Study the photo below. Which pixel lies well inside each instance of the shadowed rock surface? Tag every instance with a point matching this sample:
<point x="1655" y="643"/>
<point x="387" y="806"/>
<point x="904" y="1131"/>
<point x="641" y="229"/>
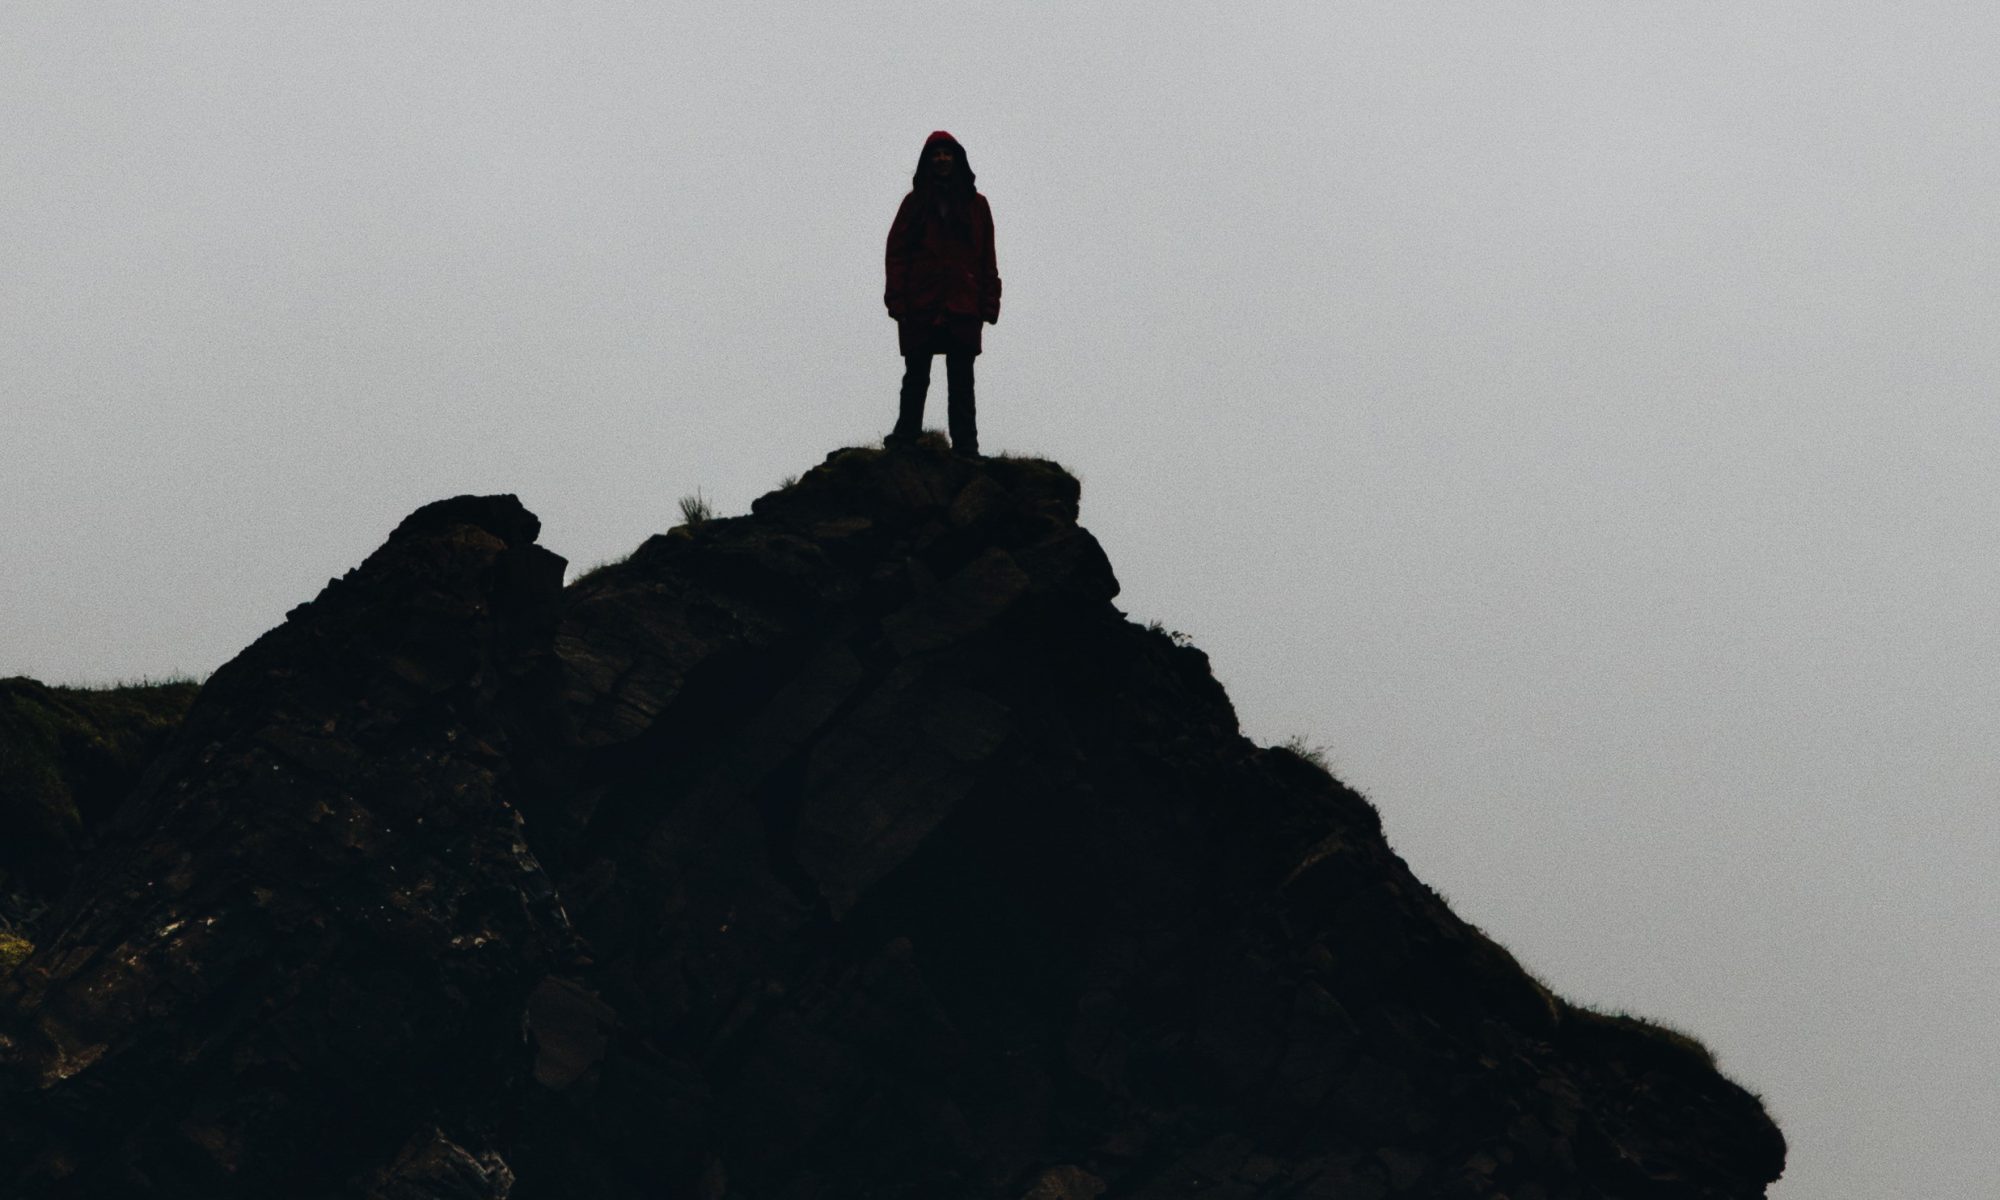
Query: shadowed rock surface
<point x="67" y="756"/>
<point x="868" y="851"/>
<point x="314" y="924"/>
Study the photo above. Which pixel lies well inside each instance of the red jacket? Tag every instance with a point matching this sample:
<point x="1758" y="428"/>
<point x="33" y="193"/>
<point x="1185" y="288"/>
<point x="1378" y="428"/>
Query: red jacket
<point x="938" y="274"/>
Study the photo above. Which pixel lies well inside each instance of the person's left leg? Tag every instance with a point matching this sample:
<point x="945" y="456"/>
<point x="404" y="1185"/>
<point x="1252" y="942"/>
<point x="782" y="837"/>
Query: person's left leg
<point x="958" y="398"/>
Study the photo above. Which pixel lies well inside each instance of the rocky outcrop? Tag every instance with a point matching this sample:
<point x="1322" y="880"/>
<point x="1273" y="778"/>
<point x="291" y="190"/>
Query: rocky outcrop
<point x="67" y="756"/>
<point x="309" y="935"/>
<point x="858" y="847"/>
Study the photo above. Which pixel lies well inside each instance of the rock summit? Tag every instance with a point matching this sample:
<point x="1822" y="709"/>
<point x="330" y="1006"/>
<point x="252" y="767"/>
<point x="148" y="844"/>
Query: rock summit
<point x="856" y="847"/>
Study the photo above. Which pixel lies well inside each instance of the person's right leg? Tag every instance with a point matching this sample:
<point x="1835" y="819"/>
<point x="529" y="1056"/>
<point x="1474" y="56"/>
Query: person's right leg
<point x="964" y="424"/>
<point x="916" y="384"/>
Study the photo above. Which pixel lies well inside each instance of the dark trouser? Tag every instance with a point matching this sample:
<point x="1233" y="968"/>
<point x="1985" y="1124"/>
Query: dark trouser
<point x="958" y="399"/>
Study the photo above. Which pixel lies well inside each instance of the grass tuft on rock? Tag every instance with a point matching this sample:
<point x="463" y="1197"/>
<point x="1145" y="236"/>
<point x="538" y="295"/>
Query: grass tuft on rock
<point x="1637" y="1037"/>
<point x="1311" y="752"/>
<point x="695" y="508"/>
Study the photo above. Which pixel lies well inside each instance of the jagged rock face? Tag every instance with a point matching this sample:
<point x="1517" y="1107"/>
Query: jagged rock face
<point x="912" y="868"/>
<point x="312" y="929"/>
<point x="899" y="864"/>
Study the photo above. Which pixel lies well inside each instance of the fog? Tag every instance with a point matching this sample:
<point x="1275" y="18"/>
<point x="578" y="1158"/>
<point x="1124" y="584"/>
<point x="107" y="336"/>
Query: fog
<point x="1577" y="417"/>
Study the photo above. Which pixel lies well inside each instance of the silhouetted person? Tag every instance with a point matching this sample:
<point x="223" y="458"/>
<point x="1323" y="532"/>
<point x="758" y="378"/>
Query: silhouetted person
<point x="942" y="285"/>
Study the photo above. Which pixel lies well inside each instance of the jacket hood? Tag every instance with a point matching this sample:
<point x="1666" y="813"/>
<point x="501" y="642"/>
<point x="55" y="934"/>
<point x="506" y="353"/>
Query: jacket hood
<point x="962" y="182"/>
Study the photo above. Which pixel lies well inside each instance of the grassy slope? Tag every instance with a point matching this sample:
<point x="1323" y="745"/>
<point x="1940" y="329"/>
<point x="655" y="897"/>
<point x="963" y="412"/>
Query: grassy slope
<point x="67" y="756"/>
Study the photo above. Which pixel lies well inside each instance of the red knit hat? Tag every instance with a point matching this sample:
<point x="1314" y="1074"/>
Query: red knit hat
<point x="938" y="136"/>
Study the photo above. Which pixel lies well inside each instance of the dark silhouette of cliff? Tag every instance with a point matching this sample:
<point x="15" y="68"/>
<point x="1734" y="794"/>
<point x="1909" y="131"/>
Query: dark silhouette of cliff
<point x="858" y="847"/>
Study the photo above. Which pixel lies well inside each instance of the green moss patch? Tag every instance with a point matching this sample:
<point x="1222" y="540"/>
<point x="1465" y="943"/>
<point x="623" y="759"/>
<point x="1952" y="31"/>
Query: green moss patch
<point x="14" y="950"/>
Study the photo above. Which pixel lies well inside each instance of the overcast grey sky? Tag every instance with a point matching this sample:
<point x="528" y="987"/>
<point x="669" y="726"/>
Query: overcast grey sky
<point x="1577" y="416"/>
